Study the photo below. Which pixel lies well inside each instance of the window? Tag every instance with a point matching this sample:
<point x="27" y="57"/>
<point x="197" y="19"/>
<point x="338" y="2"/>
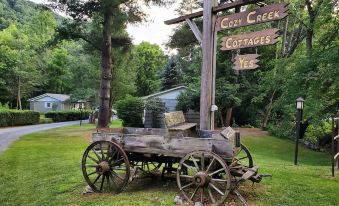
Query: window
<point x="48" y="105"/>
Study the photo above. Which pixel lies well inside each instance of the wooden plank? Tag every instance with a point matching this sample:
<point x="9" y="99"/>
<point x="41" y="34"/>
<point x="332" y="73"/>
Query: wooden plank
<point x="244" y="62"/>
<point x="173" y="147"/>
<point x="252" y="39"/>
<point x="216" y="9"/>
<point x="184" y="126"/>
<point x="261" y="15"/>
<point x="195" y="30"/>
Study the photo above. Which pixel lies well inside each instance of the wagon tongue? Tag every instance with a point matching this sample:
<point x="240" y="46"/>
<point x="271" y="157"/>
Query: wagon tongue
<point x="252" y="174"/>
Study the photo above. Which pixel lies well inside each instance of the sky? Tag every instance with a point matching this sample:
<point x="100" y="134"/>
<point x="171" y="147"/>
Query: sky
<point x="154" y="30"/>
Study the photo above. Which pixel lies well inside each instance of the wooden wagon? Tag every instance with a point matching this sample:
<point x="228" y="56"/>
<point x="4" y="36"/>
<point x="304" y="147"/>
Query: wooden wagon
<point x="209" y="164"/>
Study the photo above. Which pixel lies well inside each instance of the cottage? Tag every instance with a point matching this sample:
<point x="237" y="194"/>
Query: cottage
<point x="169" y="97"/>
<point x="50" y="102"/>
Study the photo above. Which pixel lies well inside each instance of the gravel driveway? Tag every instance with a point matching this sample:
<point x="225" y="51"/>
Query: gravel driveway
<point x="11" y="134"/>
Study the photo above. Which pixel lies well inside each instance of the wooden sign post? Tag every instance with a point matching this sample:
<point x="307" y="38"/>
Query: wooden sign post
<point x="207" y="38"/>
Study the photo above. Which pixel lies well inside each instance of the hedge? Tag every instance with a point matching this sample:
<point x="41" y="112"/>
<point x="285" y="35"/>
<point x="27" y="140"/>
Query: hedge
<point x="65" y="116"/>
<point x="10" y="117"/>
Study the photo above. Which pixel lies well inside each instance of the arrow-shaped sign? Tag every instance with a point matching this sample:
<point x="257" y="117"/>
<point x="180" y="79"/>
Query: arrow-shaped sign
<point x="253" y="39"/>
<point x="261" y="15"/>
<point x="244" y="62"/>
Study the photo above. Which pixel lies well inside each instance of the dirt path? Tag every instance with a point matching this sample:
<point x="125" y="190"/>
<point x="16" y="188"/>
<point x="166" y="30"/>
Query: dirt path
<point x="253" y="132"/>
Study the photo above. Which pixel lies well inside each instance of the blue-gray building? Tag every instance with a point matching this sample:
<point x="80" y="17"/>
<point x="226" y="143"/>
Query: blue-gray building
<point x="169" y="97"/>
<point x="50" y="102"/>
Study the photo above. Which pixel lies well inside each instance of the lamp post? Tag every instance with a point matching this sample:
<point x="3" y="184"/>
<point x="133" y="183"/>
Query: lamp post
<point x="81" y="107"/>
<point x="299" y="107"/>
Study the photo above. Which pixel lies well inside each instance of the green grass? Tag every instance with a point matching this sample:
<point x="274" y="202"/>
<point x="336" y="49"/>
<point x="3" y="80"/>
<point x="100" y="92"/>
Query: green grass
<point x="45" y="169"/>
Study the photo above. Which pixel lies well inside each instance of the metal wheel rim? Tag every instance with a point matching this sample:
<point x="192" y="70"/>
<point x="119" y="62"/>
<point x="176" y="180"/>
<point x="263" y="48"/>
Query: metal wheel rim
<point x="213" y="186"/>
<point x="105" y="167"/>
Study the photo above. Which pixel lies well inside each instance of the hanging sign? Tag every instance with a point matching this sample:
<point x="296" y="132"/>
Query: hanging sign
<point x="244" y="62"/>
<point x="253" y="39"/>
<point x="261" y="15"/>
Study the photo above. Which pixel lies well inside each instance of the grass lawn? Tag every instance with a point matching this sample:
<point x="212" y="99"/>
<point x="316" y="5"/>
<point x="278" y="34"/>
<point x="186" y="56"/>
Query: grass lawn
<point x="45" y="169"/>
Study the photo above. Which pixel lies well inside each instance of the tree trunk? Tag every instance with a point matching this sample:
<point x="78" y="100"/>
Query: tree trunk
<point x="18" y="102"/>
<point x="268" y="111"/>
<point x="229" y="117"/>
<point x="106" y="70"/>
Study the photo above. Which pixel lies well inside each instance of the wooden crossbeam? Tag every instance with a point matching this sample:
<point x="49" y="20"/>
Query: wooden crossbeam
<point x="336" y="156"/>
<point x="216" y="9"/>
<point x="336" y="137"/>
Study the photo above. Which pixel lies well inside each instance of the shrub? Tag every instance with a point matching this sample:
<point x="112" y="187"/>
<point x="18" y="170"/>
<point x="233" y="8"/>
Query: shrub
<point x="130" y="111"/>
<point x="318" y="132"/>
<point x="71" y="115"/>
<point x="188" y="100"/>
<point x="10" y="117"/>
<point x="154" y="113"/>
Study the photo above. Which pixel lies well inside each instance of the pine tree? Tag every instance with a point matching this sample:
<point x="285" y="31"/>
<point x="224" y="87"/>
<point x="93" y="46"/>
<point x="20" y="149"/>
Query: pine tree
<point x="171" y="76"/>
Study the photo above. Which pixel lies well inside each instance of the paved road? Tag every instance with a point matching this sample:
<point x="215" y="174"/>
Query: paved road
<point x="9" y="135"/>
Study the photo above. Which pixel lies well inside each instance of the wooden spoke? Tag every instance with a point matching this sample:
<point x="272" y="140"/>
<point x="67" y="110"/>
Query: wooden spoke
<point x="102" y="152"/>
<point x="202" y="161"/>
<point x="216" y="189"/>
<point x="209" y="166"/>
<point x="210" y="194"/>
<point x="96" y="153"/>
<point x="108" y="184"/>
<point x="112" y="157"/>
<point x="119" y="160"/>
<point x="96" y="179"/>
<point x="219" y="180"/>
<point x="189" y="167"/>
<point x="102" y="182"/>
<point x="215" y="172"/>
<point x="241" y="158"/>
<point x="202" y="195"/>
<point x="183" y="187"/>
<point x="94" y="160"/>
<point x="115" y="174"/>
<point x="92" y="173"/>
<point x="88" y="165"/>
<point x="195" y="163"/>
<point x="195" y="192"/>
<point x="187" y="176"/>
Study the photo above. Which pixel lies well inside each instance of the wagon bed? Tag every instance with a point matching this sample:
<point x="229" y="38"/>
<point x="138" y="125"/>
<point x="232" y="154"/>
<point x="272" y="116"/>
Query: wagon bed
<point x="164" y="142"/>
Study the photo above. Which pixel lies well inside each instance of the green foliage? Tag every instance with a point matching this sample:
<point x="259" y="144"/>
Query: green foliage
<point x="10" y="117"/>
<point x="70" y="115"/>
<point x="147" y="61"/>
<point x="318" y="131"/>
<point x="155" y="104"/>
<point x="188" y="100"/>
<point x="130" y="110"/>
<point x="44" y="120"/>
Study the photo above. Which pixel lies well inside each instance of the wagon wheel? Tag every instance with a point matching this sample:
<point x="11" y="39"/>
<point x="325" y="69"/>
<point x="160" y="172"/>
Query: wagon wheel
<point x="105" y="167"/>
<point x="242" y="157"/>
<point x="203" y="177"/>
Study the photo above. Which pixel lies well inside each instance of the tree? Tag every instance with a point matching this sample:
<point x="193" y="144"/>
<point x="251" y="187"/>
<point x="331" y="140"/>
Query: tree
<point x="147" y="61"/>
<point x="171" y="76"/>
<point x="81" y="11"/>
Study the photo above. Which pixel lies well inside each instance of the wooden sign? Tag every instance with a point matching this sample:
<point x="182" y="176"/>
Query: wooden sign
<point x="253" y="39"/>
<point x="261" y="15"/>
<point x="244" y="62"/>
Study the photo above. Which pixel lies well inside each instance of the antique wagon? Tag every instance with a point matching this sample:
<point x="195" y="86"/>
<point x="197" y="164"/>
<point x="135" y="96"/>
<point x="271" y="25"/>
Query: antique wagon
<point x="208" y="164"/>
